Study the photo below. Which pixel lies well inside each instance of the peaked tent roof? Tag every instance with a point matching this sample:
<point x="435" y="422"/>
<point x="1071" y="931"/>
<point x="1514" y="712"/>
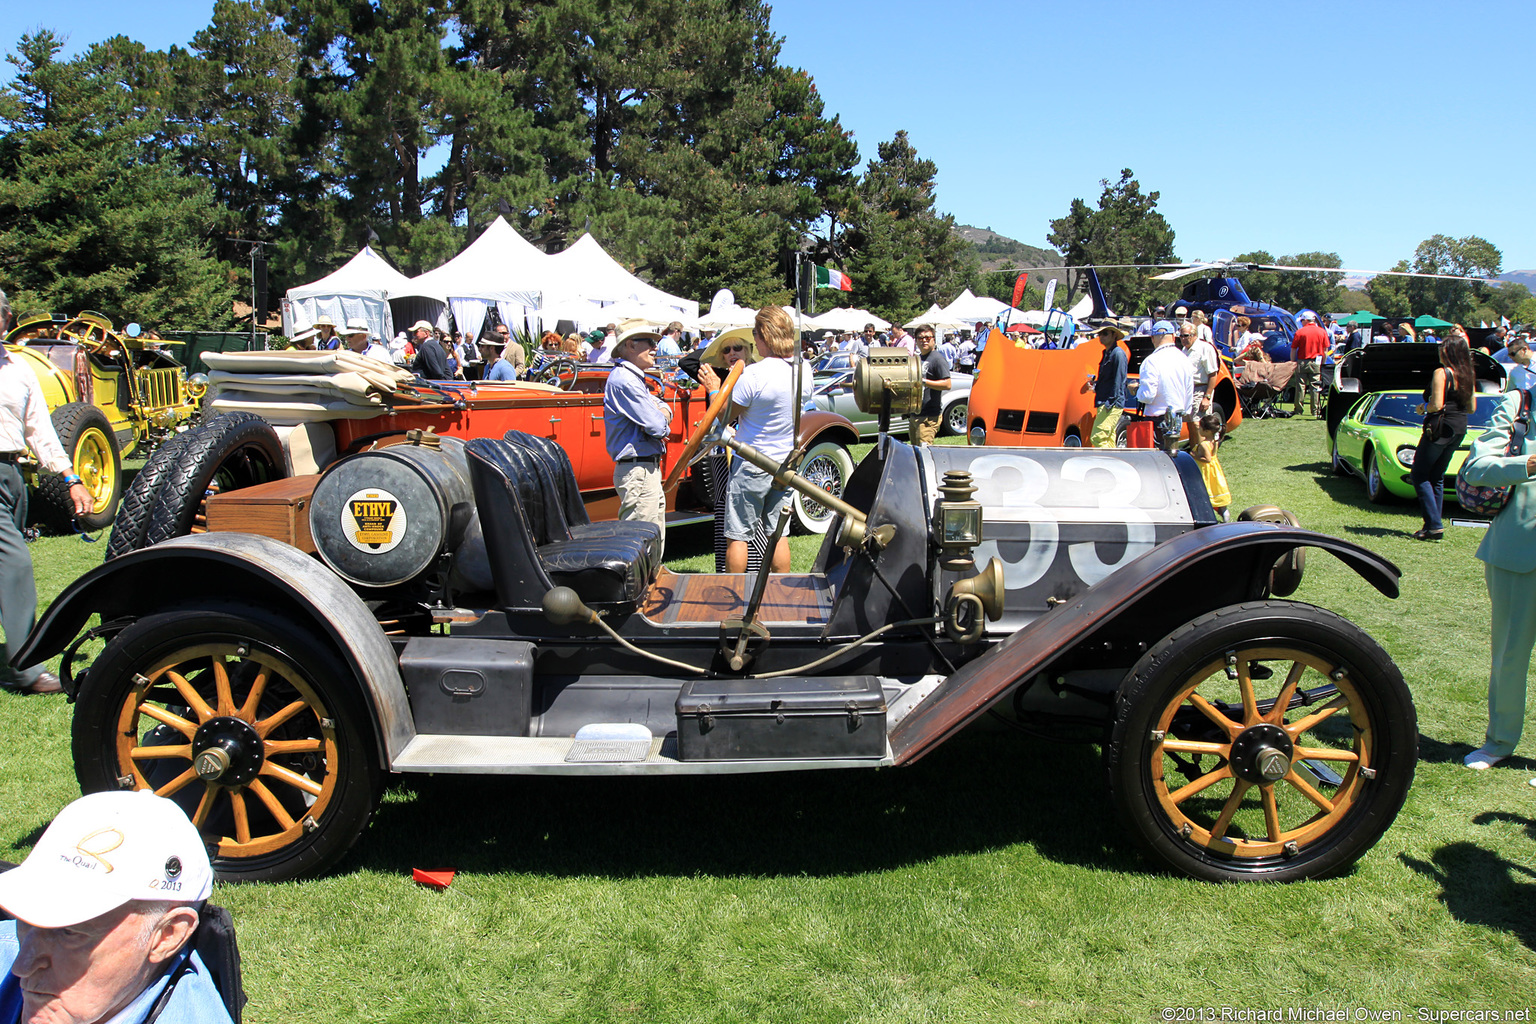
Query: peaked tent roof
<point x="500" y="264"/>
<point x="968" y="306"/>
<point x="365" y="275"/>
<point x="586" y="270"/>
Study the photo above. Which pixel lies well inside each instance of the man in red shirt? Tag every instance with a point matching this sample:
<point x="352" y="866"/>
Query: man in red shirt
<point x="1308" y="349"/>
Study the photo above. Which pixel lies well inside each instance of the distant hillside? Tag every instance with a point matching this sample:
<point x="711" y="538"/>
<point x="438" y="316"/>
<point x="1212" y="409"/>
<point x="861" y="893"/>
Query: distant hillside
<point x="1525" y="277"/>
<point x="997" y="251"/>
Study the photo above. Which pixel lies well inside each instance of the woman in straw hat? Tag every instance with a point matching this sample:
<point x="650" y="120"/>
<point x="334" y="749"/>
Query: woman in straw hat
<point x="723" y="352"/>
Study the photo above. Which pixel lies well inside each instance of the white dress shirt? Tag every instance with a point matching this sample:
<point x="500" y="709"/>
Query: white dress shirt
<point x="24" y="421"/>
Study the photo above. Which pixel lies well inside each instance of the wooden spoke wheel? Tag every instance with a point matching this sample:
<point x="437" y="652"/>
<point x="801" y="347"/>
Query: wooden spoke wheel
<point x="696" y="439"/>
<point x="250" y="734"/>
<point x="1263" y="741"/>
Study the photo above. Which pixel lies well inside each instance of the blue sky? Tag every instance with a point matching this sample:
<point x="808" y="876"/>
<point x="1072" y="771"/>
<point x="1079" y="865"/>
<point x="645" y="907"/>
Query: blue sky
<point x="1349" y="127"/>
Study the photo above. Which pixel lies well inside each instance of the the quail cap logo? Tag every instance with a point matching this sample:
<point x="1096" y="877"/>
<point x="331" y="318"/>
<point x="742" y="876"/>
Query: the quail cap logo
<point x="99" y="843"/>
<point x="172" y="867"/>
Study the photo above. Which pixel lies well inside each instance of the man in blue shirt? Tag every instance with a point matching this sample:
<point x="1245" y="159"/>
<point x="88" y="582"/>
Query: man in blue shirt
<point x="105" y="908"/>
<point x="1108" y="388"/>
<point x="637" y="424"/>
<point x="670" y="347"/>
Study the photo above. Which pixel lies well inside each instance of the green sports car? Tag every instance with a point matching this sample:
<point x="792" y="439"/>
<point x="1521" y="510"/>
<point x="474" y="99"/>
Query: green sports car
<point x="1377" y="436"/>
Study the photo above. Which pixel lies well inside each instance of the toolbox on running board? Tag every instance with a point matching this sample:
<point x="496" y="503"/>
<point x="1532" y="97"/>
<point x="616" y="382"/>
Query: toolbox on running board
<point x="773" y="719"/>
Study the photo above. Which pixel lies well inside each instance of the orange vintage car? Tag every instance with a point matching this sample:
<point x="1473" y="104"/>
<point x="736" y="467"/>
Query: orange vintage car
<point x="1043" y="398"/>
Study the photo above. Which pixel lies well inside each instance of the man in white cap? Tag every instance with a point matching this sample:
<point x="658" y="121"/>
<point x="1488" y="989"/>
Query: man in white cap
<point x="431" y="360"/>
<point x="1308" y="348"/>
<point x="1166" y="386"/>
<point x="105" y="908"/>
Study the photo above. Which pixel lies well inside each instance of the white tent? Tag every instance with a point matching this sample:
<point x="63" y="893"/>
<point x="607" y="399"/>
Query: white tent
<point x="585" y="279"/>
<point x="724" y="313"/>
<point x="971" y="308"/>
<point x="500" y="268"/>
<point x="360" y="289"/>
<point x="847" y="319"/>
<point x="938" y="320"/>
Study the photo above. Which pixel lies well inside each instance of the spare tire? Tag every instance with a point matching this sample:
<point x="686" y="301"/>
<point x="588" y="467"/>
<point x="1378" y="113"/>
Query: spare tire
<point x="227" y="453"/>
<point x="88" y="440"/>
<point x="133" y="514"/>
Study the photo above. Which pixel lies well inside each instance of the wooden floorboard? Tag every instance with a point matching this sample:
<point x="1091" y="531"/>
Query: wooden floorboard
<point x="714" y="597"/>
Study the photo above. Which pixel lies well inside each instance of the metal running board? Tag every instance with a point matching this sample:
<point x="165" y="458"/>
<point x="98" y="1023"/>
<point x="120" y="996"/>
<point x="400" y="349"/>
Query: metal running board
<point x="546" y="755"/>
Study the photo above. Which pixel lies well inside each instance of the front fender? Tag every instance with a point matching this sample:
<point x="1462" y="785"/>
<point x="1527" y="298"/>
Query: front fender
<point x="1179" y="580"/>
<point x="178" y="573"/>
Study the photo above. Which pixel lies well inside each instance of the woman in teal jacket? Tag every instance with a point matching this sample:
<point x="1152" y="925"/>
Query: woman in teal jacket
<point x="1508" y="552"/>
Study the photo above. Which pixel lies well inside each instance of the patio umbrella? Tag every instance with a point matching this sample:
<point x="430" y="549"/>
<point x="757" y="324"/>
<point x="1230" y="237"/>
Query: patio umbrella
<point x="1021" y="329"/>
<point x="1362" y="317"/>
<point x="1431" y="321"/>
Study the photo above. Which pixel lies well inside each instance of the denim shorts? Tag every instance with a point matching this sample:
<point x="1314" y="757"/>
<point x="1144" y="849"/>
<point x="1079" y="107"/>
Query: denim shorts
<point x="746" y="495"/>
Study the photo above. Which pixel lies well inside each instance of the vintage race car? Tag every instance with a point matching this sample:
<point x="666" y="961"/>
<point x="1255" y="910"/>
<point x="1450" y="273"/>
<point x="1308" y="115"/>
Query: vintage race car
<point x="1377" y="438"/>
<point x="464" y="616"/>
<point x="110" y="395"/>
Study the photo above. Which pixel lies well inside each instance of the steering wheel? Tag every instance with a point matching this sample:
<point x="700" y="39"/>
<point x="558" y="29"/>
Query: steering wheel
<point x="560" y="372"/>
<point x="696" y="439"/>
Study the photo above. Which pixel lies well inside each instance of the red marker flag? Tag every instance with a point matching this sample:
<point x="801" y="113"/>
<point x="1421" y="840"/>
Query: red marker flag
<point x="1018" y="289"/>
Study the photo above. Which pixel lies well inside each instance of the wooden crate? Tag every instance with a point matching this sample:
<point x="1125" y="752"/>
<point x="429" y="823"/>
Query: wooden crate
<point x="279" y="510"/>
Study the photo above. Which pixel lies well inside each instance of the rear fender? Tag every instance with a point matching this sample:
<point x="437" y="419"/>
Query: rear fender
<point x="1128" y="611"/>
<point x="819" y="426"/>
<point x="180" y="572"/>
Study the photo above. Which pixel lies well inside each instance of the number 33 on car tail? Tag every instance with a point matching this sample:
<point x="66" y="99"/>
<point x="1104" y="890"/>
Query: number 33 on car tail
<point x="1061" y="520"/>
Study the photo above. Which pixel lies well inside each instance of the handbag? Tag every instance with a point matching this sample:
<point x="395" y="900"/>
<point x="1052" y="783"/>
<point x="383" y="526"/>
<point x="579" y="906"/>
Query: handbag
<point x="1490" y="501"/>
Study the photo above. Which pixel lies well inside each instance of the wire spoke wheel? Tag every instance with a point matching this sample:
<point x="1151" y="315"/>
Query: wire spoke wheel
<point x="828" y="466"/>
<point x="246" y="723"/>
<point x="240" y="739"/>
<point x="1263" y="741"/>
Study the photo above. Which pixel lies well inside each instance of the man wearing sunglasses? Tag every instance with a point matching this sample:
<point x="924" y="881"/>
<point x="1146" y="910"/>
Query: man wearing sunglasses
<point x="636" y="423"/>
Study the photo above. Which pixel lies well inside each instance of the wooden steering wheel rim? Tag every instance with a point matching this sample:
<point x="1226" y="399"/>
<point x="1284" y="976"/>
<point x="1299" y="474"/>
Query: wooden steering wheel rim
<point x="716" y="408"/>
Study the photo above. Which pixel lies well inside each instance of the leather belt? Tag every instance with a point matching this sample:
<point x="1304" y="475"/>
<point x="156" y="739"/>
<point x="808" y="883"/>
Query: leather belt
<point x="12" y="457"/>
<point x="638" y="458"/>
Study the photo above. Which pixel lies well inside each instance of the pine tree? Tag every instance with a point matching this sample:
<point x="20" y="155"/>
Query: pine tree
<point x="94" y="212"/>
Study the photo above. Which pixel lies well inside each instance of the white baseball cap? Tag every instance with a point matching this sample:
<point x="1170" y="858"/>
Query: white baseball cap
<point x="104" y="850"/>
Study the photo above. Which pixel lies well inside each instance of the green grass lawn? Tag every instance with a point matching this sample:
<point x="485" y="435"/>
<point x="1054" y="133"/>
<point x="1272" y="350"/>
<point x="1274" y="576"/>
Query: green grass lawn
<point x="989" y="882"/>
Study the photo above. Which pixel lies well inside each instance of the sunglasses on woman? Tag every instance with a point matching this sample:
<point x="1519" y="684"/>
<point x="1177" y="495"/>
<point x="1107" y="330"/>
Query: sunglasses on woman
<point x="734" y="348"/>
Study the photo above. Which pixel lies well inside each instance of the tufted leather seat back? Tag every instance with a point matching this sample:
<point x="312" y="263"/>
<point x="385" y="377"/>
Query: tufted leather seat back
<point x="562" y="474"/>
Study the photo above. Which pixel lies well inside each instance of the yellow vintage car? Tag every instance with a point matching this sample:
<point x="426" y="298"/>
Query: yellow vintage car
<point x="111" y="394"/>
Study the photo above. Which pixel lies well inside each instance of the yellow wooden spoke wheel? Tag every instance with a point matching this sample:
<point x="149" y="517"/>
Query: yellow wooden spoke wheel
<point x="1267" y="741"/>
<point x="254" y="733"/>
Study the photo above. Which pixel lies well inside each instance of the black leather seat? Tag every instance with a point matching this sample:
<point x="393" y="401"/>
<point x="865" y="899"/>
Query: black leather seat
<point x="529" y="550"/>
<point x="568" y="511"/>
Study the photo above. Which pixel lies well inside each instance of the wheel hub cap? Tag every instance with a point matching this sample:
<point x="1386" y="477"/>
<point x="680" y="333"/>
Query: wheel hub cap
<point x="227" y="751"/>
<point x="1262" y="754"/>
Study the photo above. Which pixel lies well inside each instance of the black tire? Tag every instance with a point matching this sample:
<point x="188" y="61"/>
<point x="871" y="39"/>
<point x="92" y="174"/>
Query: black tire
<point x="133" y="514"/>
<point x="955" y="415"/>
<point x="1375" y="490"/>
<point x="827" y="465"/>
<point x="87" y="438"/>
<point x="1122" y="431"/>
<point x="1374" y="722"/>
<point x="324" y="784"/>
<point x="227" y="453"/>
<point x="1337" y="463"/>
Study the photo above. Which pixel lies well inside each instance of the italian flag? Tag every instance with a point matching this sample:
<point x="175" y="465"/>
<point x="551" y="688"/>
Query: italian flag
<point x="826" y="277"/>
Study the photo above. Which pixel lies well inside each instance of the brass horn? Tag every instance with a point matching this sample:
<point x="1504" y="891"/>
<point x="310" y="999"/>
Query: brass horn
<point x="982" y="594"/>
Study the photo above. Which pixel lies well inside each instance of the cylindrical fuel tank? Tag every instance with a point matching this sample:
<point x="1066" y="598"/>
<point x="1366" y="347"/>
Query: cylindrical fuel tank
<point x="382" y="518"/>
